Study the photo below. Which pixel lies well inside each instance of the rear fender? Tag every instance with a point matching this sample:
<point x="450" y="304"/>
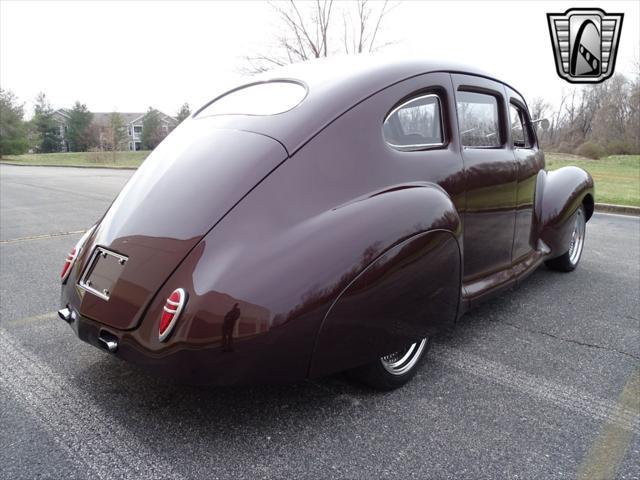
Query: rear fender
<point x="558" y="195"/>
<point x="284" y="279"/>
<point x="408" y="292"/>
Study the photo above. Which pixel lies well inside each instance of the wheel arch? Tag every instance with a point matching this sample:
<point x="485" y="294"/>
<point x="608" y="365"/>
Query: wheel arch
<point x="415" y="278"/>
<point x="559" y="193"/>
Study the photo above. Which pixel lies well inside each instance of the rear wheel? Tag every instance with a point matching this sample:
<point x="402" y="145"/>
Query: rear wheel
<point x="393" y="370"/>
<point x="568" y="261"/>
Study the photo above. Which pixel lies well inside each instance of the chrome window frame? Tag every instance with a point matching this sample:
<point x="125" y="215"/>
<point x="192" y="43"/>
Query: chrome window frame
<point x="417" y="146"/>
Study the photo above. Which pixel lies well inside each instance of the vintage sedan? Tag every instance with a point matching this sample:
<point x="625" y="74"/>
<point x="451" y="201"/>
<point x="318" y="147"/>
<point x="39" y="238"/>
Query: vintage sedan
<point x="330" y="216"/>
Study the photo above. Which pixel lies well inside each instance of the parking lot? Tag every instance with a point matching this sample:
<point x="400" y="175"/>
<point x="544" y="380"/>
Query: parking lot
<point x="542" y="382"/>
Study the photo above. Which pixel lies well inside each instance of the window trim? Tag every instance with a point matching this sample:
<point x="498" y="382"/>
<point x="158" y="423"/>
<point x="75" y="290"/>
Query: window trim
<point x="418" y="146"/>
<point x="503" y="129"/>
<point x="294" y="81"/>
<point x="526" y="124"/>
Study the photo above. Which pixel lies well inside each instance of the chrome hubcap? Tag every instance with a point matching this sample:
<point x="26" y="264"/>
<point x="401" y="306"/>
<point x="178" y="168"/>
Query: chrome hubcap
<point x="577" y="238"/>
<point x="402" y="361"/>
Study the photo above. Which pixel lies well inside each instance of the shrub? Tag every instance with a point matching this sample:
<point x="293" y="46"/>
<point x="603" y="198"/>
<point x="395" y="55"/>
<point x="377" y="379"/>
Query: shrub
<point x="620" y="147"/>
<point x="590" y="150"/>
<point x="13" y="146"/>
<point x="564" y="147"/>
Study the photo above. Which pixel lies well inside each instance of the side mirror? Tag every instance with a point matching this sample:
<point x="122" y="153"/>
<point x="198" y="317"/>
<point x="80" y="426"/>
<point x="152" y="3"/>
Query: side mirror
<point x="544" y="123"/>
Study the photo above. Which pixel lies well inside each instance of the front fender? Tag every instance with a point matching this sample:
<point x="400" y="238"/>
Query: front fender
<point x="559" y="193"/>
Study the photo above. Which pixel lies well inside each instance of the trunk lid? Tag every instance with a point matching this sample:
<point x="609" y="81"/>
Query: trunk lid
<point x="192" y="179"/>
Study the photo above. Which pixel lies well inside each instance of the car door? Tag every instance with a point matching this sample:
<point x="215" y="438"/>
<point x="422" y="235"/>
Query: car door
<point x="490" y="179"/>
<point x="529" y="161"/>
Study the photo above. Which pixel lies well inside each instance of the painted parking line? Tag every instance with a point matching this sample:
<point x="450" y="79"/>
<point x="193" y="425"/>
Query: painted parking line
<point x="33" y="319"/>
<point x="91" y="438"/>
<point x="564" y="396"/>
<point x="608" y="450"/>
<point x="41" y="237"/>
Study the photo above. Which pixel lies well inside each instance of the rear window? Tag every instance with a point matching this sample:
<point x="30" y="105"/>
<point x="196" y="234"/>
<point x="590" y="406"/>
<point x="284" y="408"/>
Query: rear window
<point x="415" y="125"/>
<point x="269" y="98"/>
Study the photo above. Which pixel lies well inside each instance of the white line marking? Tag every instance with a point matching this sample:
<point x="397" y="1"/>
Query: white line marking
<point x="41" y="237"/>
<point x="561" y="395"/>
<point x="91" y="438"/>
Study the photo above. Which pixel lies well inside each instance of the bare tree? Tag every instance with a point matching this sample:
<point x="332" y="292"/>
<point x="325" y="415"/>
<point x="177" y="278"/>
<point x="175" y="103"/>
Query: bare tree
<point x="321" y="28"/>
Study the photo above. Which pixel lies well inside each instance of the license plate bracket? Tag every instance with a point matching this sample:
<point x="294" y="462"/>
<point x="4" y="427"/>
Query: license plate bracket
<point x="102" y="272"/>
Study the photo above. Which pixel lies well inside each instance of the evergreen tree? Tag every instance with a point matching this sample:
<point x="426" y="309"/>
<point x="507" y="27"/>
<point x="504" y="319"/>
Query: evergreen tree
<point x="79" y="134"/>
<point x="13" y="131"/>
<point x="47" y="130"/>
<point x="152" y="133"/>
<point x="183" y="113"/>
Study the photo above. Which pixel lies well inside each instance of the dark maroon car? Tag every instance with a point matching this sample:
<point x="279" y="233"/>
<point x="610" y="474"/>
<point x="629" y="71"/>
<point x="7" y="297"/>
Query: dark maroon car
<point x="331" y="216"/>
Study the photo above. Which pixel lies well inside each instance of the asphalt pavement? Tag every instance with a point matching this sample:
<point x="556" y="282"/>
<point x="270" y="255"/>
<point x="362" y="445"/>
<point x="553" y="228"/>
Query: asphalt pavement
<point x="541" y="382"/>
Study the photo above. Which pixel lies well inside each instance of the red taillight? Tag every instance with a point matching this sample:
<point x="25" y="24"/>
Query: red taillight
<point x="68" y="263"/>
<point x="171" y="312"/>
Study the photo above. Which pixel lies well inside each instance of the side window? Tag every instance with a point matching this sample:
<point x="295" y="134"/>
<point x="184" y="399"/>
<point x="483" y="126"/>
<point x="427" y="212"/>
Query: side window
<point x="415" y="125"/>
<point x="519" y="127"/>
<point x="478" y="119"/>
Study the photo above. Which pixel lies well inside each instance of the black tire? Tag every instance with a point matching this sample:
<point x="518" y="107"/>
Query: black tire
<point x="568" y="261"/>
<point x="378" y="375"/>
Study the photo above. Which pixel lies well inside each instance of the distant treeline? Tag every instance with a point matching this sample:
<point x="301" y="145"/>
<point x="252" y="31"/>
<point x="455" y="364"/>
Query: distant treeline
<point x="594" y="120"/>
<point x="79" y="133"/>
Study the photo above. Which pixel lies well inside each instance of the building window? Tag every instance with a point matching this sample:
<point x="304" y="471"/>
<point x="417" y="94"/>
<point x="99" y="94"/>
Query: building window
<point x="137" y="129"/>
<point x="130" y="143"/>
<point x="129" y="130"/>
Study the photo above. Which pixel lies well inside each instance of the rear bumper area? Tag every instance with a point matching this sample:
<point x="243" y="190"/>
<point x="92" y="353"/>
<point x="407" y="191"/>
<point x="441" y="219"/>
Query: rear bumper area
<point x="251" y="363"/>
<point x="182" y="365"/>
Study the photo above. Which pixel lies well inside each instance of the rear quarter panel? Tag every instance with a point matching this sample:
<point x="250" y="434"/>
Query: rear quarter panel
<point x="300" y="238"/>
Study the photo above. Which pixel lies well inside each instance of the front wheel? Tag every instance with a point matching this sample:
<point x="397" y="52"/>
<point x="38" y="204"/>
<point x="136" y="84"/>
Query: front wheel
<point x="394" y="370"/>
<point x="568" y="261"/>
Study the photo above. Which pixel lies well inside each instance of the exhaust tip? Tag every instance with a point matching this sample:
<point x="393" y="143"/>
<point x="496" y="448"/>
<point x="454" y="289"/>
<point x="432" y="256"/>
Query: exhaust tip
<point x="66" y="314"/>
<point x="108" y="341"/>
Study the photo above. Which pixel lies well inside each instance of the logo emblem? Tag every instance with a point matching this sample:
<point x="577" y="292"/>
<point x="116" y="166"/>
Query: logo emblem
<point x="585" y="43"/>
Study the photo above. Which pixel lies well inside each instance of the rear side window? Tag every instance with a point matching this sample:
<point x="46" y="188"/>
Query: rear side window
<point x="478" y="119"/>
<point x="269" y="98"/>
<point x="519" y="127"/>
<point x="415" y="124"/>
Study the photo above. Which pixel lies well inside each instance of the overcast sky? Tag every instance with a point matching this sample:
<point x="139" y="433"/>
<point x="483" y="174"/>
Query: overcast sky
<point x="127" y="56"/>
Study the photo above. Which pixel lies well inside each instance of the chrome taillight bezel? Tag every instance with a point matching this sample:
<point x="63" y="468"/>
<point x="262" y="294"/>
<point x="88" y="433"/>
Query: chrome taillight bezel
<point x="73" y="255"/>
<point x="173" y="308"/>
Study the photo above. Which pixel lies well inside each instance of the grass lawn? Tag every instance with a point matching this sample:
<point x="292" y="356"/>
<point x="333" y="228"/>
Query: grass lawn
<point x="80" y="159"/>
<point x="617" y="177"/>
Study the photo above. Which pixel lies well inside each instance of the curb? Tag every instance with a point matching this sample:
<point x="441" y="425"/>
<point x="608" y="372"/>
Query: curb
<point x="620" y="209"/>
<point x="111" y="167"/>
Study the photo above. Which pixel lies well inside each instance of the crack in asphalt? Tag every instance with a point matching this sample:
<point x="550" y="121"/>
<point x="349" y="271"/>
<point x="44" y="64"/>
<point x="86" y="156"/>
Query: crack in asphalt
<point x="575" y="342"/>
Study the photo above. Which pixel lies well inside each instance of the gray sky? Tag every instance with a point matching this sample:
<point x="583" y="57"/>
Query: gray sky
<point x="127" y="56"/>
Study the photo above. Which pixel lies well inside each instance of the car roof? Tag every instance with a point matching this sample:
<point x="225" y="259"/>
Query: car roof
<point x="334" y="84"/>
